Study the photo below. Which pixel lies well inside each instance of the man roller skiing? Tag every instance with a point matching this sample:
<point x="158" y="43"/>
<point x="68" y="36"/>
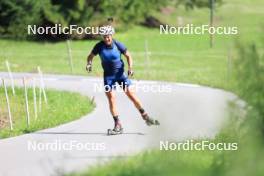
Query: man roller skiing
<point x="110" y="52"/>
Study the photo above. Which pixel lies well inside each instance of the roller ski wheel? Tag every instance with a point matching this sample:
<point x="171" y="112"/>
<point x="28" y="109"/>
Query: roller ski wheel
<point x="150" y="122"/>
<point x="115" y="131"/>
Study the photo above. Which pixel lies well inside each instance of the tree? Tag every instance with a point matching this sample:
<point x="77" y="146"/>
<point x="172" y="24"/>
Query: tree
<point x="15" y="15"/>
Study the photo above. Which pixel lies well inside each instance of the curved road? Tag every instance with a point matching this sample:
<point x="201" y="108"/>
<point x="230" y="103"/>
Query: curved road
<point x="186" y="112"/>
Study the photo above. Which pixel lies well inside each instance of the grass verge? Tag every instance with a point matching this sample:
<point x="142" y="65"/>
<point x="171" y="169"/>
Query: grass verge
<point x="62" y="107"/>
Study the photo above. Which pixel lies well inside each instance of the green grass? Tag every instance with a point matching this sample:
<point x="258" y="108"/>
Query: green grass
<point x="177" y="58"/>
<point x="157" y="163"/>
<point x="248" y="159"/>
<point x="60" y="109"/>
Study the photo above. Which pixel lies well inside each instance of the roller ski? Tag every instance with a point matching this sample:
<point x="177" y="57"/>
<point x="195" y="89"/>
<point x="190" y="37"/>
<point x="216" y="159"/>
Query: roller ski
<point x="149" y="121"/>
<point x="117" y="130"/>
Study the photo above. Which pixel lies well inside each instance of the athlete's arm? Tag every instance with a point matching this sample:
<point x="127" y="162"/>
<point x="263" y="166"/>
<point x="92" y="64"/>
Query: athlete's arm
<point x="129" y="62"/>
<point x="90" y="58"/>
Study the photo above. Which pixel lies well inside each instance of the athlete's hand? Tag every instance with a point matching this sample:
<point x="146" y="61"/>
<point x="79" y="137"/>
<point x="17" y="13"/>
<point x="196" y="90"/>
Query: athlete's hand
<point x="130" y="72"/>
<point x="89" y="68"/>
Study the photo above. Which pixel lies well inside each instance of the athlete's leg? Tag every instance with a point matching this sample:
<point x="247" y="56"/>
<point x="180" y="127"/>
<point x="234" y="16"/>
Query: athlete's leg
<point x="112" y="102"/>
<point x="112" y="106"/>
<point x="132" y="96"/>
<point x="109" y="85"/>
<point x="125" y="83"/>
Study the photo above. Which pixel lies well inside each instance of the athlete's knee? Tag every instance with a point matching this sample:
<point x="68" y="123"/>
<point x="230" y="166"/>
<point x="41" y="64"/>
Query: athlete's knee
<point x="130" y="94"/>
<point x="110" y="95"/>
<point x="111" y="99"/>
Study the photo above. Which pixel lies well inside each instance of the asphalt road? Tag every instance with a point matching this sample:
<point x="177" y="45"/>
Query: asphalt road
<point x="185" y="111"/>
